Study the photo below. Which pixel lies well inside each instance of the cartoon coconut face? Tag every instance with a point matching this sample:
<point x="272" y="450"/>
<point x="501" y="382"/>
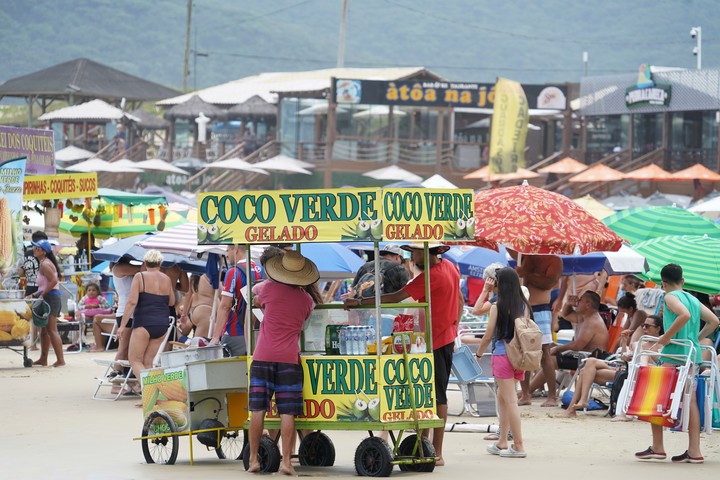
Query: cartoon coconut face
<point x="363" y="228"/>
<point x="202" y="233"/>
<point x="470" y="227"/>
<point x="374" y="409"/>
<point x="213" y="233"/>
<point x="376" y="228"/>
<point x="460" y="228"/>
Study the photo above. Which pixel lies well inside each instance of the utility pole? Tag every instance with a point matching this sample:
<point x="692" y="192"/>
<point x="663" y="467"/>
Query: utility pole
<point x="585" y="63"/>
<point x="696" y="33"/>
<point x="341" y="43"/>
<point x="186" y="63"/>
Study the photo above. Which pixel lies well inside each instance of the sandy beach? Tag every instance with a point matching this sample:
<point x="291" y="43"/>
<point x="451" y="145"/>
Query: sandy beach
<point x="52" y="428"/>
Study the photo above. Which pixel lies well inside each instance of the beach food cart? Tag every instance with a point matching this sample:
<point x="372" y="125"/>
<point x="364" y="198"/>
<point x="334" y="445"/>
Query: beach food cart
<point x="15" y="318"/>
<point x="369" y="389"/>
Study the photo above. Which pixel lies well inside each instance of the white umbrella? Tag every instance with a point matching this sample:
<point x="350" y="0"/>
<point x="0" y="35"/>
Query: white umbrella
<point x="72" y="153"/>
<point x="378" y="110"/>
<point x="127" y="163"/>
<point x="284" y="163"/>
<point x="180" y="240"/>
<point x="100" y="165"/>
<point x="320" y="108"/>
<point x="393" y="172"/>
<point x="237" y="164"/>
<point x="160" y="165"/>
<point x="709" y="208"/>
<point x="437" y="181"/>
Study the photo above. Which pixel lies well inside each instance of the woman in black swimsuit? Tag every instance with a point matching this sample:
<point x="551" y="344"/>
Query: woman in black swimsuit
<point x="151" y="294"/>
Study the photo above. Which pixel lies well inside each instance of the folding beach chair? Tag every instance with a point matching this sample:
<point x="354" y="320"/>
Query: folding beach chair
<point x="473" y="378"/>
<point x="655" y="393"/>
<point x="111" y="378"/>
<point x="708" y="390"/>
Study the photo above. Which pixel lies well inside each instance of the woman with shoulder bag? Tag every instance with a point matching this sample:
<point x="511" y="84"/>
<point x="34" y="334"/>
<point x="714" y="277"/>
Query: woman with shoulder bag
<point x="511" y="304"/>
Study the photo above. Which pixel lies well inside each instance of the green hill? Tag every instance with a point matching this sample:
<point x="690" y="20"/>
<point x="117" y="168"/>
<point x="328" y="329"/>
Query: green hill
<point x="470" y="40"/>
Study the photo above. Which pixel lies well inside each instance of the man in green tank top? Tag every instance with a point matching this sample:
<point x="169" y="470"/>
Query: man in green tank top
<point x="681" y="319"/>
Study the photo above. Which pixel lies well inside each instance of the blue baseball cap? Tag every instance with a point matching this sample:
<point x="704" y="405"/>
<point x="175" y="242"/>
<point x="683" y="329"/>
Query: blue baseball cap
<point x="44" y="244"/>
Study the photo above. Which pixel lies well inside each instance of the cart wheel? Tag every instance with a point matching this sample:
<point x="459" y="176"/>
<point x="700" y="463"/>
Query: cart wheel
<point x="231" y="446"/>
<point x="27" y="363"/>
<point x="268" y="452"/>
<point x="406" y="450"/>
<point x="373" y="457"/>
<point x="162" y="449"/>
<point x="317" y="450"/>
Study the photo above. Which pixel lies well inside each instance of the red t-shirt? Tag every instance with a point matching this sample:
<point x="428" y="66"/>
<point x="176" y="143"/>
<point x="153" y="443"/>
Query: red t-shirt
<point x="445" y="295"/>
<point x="285" y="309"/>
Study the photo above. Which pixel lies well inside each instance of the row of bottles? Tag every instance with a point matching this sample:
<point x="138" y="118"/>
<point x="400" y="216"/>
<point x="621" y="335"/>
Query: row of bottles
<point x="354" y="340"/>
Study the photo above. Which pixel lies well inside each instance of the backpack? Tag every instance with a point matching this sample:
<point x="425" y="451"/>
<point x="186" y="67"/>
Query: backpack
<point x="525" y="349"/>
<point x="365" y="286"/>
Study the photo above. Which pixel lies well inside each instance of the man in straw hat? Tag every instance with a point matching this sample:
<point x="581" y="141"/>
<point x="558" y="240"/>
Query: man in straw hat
<point x="446" y="309"/>
<point x="276" y="369"/>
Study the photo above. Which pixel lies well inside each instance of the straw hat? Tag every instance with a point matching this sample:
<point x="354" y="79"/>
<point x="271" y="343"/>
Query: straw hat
<point x="438" y="247"/>
<point x="292" y="268"/>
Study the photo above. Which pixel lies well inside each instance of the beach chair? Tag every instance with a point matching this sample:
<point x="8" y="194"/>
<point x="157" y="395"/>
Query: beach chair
<point x="125" y="380"/>
<point x="473" y="379"/>
<point x="655" y="393"/>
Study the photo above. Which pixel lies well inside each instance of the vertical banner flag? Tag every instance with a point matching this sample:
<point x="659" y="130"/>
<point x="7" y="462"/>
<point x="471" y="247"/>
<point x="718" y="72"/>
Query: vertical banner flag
<point x="12" y="174"/>
<point x="509" y="127"/>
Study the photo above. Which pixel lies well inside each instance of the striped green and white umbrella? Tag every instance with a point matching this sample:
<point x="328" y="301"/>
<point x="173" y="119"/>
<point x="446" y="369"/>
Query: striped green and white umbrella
<point x="643" y="223"/>
<point x="699" y="257"/>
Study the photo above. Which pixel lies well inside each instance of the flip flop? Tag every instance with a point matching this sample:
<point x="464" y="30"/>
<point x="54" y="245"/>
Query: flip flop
<point x="491" y="437"/>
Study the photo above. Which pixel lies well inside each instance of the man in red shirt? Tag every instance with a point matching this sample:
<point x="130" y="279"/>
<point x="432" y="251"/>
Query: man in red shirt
<point x="446" y="303"/>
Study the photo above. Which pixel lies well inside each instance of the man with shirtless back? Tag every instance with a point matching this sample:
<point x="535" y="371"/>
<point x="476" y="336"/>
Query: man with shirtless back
<point x="590" y="330"/>
<point x="541" y="274"/>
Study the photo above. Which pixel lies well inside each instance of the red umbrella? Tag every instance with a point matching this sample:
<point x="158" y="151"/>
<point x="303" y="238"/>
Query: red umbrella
<point x="531" y="220"/>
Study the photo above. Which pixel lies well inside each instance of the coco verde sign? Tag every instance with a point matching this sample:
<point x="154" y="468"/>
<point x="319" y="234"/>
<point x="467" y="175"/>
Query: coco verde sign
<point x="335" y="215"/>
<point x="368" y="389"/>
<point x="646" y="91"/>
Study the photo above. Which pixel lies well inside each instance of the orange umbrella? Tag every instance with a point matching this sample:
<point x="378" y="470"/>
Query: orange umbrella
<point x="565" y="166"/>
<point x="598" y="173"/>
<point x="484" y="174"/>
<point x="649" y="173"/>
<point x="698" y="171"/>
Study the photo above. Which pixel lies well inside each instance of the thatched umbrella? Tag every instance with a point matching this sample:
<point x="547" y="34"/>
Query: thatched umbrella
<point x="190" y="110"/>
<point x="253" y="106"/>
<point x="148" y="121"/>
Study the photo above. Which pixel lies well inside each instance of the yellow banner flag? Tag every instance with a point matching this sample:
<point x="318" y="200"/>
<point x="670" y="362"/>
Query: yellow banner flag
<point x="509" y="127"/>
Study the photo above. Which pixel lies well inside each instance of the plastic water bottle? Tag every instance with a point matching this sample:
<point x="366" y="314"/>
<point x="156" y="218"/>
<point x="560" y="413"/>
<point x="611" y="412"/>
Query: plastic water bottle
<point x="342" y="334"/>
<point x="369" y="339"/>
<point x="355" y="335"/>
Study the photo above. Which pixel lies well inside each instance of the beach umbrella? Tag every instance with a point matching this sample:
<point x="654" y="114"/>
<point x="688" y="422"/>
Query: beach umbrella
<point x="638" y="224"/>
<point x="474" y="261"/>
<point x="437" y="181"/>
<point x="709" y="208"/>
<point x="531" y="220"/>
<point x="181" y="240"/>
<point x="393" y="172"/>
<point x="100" y="165"/>
<point x="624" y="201"/>
<point x="597" y="173"/>
<point x="484" y="174"/>
<point x="160" y="166"/>
<point x="649" y="173"/>
<point x="333" y="260"/>
<point x="624" y="261"/>
<point x="236" y="164"/>
<point x="699" y="257"/>
<point x="668" y="200"/>
<point x="596" y="209"/>
<point x="565" y="166"/>
<point x="129" y="248"/>
<point x="72" y="153"/>
<point x="283" y="163"/>
<point x="697" y="171"/>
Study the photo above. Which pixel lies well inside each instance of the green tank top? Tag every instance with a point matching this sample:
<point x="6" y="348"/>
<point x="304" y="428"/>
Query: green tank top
<point x="689" y="331"/>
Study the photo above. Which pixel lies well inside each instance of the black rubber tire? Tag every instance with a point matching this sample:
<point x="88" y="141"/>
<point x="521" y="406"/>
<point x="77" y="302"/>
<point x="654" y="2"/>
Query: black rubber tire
<point x="231" y="446"/>
<point x="163" y="449"/>
<point x="268" y="452"/>
<point x="373" y="457"/>
<point x="406" y="450"/>
<point x="317" y="450"/>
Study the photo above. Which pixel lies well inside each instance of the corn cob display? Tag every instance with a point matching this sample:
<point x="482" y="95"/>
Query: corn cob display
<point x="6" y="234"/>
<point x="173" y="390"/>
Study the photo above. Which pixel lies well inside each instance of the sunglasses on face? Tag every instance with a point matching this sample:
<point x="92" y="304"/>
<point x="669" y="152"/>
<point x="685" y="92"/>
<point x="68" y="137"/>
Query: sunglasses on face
<point x="648" y="325"/>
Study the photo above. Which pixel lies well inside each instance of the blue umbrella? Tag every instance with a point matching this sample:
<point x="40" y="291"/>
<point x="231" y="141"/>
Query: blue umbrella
<point x="474" y="261"/>
<point x="127" y="248"/>
<point x="333" y="260"/>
